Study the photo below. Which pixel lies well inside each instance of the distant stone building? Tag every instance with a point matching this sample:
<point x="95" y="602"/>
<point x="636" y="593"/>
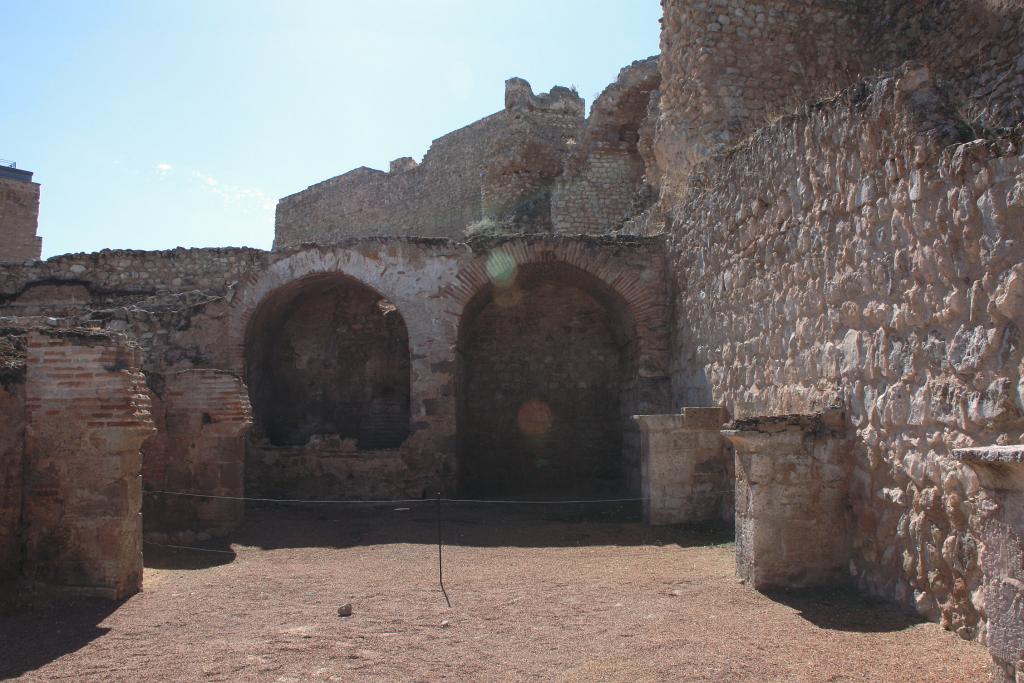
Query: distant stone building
<point x="19" y="215"/>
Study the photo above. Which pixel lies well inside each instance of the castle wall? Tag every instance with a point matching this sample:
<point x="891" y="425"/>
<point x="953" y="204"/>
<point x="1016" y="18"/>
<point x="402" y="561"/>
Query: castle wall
<point x="859" y="256"/>
<point x="19" y="217"/>
<point x="437" y="198"/>
<point x="606" y="178"/>
<point x="499" y="168"/>
<point x="728" y="66"/>
<point x="195" y="309"/>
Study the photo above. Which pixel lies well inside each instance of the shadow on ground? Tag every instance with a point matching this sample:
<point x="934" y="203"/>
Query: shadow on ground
<point x="274" y="526"/>
<point x="35" y="631"/>
<point x="844" y="609"/>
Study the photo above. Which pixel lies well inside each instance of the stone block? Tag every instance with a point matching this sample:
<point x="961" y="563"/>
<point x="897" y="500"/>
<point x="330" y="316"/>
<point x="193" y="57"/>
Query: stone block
<point x="683" y="471"/>
<point x="792" y="526"/>
<point x="1001" y="471"/>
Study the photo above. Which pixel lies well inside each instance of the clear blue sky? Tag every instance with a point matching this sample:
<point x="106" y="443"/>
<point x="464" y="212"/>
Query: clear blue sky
<point x="153" y="124"/>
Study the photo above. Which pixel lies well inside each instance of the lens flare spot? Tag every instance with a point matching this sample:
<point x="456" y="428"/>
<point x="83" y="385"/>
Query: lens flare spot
<point x="506" y="297"/>
<point x="534" y="418"/>
<point x="501" y="268"/>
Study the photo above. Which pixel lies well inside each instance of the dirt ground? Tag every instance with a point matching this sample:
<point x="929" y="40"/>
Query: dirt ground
<point x="536" y="595"/>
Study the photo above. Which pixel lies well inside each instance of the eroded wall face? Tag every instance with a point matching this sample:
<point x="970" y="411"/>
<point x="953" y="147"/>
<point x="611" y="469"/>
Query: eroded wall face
<point x="542" y="375"/>
<point x="202" y="417"/>
<point x="333" y="363"/>
<point x="12" y="450"/>
<point x="87" y="416"/>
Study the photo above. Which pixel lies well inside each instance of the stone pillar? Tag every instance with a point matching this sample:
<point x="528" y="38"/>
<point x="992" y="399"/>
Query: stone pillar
<point x="1001" y="471"/>
<point x="87" y="414"/>
<point x="791" y="518"/>
<point x="683" y="471"/>
<point x="204" y="415"/>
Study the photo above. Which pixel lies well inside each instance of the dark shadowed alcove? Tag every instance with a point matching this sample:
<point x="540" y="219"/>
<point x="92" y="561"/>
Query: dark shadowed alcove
<point x="328" y="356"/>
<point x="546" y="357"/>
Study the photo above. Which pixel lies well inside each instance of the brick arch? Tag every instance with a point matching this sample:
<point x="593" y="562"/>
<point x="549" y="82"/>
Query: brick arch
<point x="366" y="269"/>
<point x="643" y="296"/>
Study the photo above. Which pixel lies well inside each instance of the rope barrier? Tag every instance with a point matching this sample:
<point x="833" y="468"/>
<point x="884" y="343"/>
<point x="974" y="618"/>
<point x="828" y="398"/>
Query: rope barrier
<point x="395" y="501"/>
<point x="400" y="501"/>
<point x="190" y="547"/>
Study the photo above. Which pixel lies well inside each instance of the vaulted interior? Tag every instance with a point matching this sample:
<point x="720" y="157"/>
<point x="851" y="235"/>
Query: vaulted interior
<point x="327" y="356"/>
<point x="546" y="360"/>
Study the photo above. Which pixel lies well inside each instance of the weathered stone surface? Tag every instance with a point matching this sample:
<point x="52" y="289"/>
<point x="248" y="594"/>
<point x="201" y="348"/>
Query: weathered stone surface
<point x="606" y="178"/>
<point x="685" y="475"/>
<point x="498" y="170"/>
<point x="202" y="417"/>
<point x="862" y="252"/>
<point x="1001" y="532"/>
<point x="88" y="413"/>
<point x="792" y="521"/>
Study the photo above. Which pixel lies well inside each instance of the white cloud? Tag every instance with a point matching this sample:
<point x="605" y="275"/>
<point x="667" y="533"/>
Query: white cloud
<point x="248" y="197"/>
<point x="164" y="168"/>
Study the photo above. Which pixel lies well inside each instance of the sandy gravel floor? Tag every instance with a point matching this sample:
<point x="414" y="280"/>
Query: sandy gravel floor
<point x="538" y="595"/>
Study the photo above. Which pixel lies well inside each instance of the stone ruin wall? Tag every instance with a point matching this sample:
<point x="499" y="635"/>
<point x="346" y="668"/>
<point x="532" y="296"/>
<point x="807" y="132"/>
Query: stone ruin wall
<point x="607" y="178"/>
<point x="19" y="216"/>
<point x="863" y="254"/>
<point x="730" y="66"/>
<point x="75" y="413"/>
<point x="499" y="168"/>
<point x="190" y="309"/>
<point x="437" y="198"/>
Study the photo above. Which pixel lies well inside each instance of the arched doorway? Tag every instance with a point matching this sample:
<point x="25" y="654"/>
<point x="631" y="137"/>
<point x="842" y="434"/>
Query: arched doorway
<point x="547" y="357"/>
<point x="327" y="365"/>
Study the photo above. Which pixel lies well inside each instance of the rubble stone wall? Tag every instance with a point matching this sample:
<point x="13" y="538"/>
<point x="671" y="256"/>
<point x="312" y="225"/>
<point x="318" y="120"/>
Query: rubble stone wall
<point x="606" y="177"/>
<point x="730" y="67"/>
<point x="88" y="412"/>
<point x="861" y="256"/>
<point x="500" y="168"/>
<point x="19" y="218"/>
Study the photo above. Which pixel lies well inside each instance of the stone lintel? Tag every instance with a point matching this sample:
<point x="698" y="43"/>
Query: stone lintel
<point x="688" y="419"/>
<point x="998" y="467"/>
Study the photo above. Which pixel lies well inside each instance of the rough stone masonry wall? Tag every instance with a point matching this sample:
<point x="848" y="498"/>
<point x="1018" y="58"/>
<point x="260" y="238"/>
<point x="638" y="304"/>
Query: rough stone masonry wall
<point x="88" y="412"/>
<point x="500" y="167"/>
<point x="728" y="65"/>
<point x="606" y="170"/>
<point x="858" y="255"/>
<point x="173" y="302"/>
<point x="19" y="219"/>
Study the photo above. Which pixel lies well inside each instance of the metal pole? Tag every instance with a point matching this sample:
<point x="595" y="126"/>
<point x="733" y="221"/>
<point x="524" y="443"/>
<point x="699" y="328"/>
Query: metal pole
<point x="440" y="567"/>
